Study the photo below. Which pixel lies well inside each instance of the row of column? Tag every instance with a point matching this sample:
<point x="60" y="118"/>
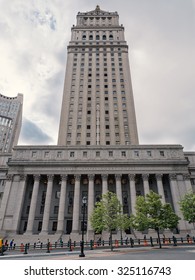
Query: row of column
<point x="76" y="205"/>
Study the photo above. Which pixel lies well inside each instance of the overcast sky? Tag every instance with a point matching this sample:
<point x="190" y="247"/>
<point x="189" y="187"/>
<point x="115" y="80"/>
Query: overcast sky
<point x="34" y="35"/>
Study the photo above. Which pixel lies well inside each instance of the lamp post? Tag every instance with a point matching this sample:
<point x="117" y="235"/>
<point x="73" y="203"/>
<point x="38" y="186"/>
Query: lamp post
<point x="84" y="201"/>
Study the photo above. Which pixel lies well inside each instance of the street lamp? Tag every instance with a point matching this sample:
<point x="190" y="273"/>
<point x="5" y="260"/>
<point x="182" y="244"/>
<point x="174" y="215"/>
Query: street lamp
<point x="84" y="201"/>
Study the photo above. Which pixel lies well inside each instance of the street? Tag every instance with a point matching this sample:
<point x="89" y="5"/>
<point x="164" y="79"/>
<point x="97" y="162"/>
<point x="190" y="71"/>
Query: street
<point x="186" y="252"/>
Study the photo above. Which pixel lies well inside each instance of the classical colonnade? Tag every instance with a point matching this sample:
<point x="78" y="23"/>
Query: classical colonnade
<point x="90" y="197"/>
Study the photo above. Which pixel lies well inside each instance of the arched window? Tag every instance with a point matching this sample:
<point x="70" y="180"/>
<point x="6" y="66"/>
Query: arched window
<point x="90" y="37"/>
<point x="97" y="37"/>
<point x="84" y="37"/>
<point x="111" y="37"/>
<point x="104" y="37"/>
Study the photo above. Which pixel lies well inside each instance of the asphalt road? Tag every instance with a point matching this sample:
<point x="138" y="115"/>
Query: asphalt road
<point x="141" y="253"/>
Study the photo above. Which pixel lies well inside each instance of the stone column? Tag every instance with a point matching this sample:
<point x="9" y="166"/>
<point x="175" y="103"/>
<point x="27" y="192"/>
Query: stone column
<point x="188" y="185"/>
<point x="46" y="215"/>
<point x="90" y="232"/>
<point x="5" y="199"/>
<point x="61" y="213"/>
<point x="160" y="187"/>
<point x="119" y="188"/>
<point x="104" y="183"/>
<point x="76" y="206"/>
<point x="132" y="192"/>
<point x="33" y="204"/>
<point x="146" y="183"/>
<point x="20" y="201"/>
<point x="175" y="198"/>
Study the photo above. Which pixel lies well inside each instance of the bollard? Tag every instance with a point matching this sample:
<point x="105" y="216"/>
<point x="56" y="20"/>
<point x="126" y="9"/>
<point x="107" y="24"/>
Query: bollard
<point x="131" y="242"/>
<point x="34" y="245"/>
<point x="103" y="242"/>
<point x="56" y="244"/>
<point x="181" y="239"/>
<point x="145" y="242"/>
<point x="174" y="241"/>
<point x="91" y="244"/>
<point x="94" y="245"/>
<point x="70" y="245"/>
<point x="21" y="247"/>
<point x="151" y="241"/>
<point x="116" y="243"/>
<point x="25" y="249"/>
<point x="138" y="241"/>
<point x="48" y="246"/>
<point x="121" y="241"/>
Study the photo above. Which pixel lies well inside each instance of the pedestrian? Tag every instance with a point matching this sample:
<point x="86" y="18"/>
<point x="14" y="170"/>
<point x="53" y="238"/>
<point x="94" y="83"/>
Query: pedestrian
<point x="38" y="243"/>
<point x="11" y="244"/>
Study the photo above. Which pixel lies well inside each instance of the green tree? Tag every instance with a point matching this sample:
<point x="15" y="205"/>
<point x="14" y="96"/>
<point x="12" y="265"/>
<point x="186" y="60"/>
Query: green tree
<point x="107" y="215"/>
<point x="187" y="206"/>
<point x="152" y="214"/>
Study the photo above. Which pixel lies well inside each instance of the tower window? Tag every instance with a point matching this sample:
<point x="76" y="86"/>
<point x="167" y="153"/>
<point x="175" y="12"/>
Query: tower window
<point x="123" y="154"/>
<point x="71" y="154"/>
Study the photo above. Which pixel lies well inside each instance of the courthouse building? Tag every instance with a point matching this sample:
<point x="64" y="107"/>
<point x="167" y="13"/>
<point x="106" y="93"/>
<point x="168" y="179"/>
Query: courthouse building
<point x="98" y="147"/>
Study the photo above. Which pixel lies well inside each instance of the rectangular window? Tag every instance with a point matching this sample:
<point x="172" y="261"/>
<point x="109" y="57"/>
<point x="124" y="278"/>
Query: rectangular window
<point x="98" y="154"/>
<point x="71" y="154"/>
<point x="162" y="154"/>
<point x="110" y="153"/>
<point x="136" y="153"/>
<point x="123" y="154"/>
<point x="56" y="208"/>
<point x="85" y="154"/>
<point x="149" y="153"/>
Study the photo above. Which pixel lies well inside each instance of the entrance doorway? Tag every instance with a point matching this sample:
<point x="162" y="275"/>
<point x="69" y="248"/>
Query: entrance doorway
<point x="68" y="226"/>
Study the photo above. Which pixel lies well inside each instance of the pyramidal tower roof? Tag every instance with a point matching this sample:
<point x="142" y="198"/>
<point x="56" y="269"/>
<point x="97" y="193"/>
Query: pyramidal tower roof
<point x="98" y="12"/>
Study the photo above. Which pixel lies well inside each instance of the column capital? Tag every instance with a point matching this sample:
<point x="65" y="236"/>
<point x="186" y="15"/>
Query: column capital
<point x="145" y="177"/>
<point x="77" y="177"/>
<point x="50" y="177"/>
<point x="159" y="176"/>
<point x="63" y="177"/>
<point x="104" y="176"/>
<point x="91" y="177"/>
<point x="23" y="177"/>
<point x="118" y="176"/>
<point x="131" y="177"/>
<point x="9" y="177"/>
<point x="173" y="177"/>
<point x="186" y="176"/>
<point x="36" y="177"/>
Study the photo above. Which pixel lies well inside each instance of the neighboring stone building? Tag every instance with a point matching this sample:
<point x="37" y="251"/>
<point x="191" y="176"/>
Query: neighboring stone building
<point x="10" y="126"/>
<point x="10" y="121"/>
<point x="97" y="149"/>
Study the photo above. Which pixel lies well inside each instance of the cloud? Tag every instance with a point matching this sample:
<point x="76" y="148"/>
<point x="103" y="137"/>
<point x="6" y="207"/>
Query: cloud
<point x="31" y="134"/>
<point x="160" y="34"/>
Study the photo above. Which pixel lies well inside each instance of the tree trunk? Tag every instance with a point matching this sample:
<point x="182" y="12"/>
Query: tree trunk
<point x="159" y="242"/>
<point x="111" y="247"/>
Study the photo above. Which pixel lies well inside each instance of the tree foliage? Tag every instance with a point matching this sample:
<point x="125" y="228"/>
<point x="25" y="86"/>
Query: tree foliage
<point x="152" y="214"/>
<point x="187" y="206"/>
<point x="107" y="215"/>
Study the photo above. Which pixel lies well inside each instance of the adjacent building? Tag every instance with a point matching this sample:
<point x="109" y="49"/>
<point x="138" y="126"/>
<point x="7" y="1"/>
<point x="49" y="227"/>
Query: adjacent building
<point x="10" y="121"/>
<point x="98" y="148"/>
<point x="10" y="125"/>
